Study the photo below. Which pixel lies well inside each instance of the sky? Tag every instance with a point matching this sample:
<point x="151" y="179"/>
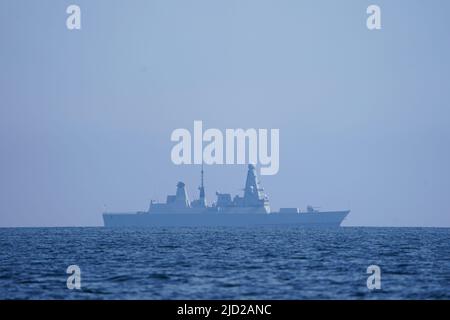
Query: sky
<point x="86" y="115"/>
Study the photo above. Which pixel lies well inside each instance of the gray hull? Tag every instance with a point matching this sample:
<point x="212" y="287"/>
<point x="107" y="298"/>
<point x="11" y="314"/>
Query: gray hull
<point x="315" y="219"/>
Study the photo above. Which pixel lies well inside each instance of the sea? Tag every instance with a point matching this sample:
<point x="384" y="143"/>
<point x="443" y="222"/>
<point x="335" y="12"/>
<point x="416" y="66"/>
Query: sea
<point x="225" y="263"/>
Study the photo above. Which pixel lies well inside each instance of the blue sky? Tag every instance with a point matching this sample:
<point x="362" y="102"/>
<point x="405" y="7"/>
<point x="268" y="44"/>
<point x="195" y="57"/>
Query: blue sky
<point x="86" y="116"/>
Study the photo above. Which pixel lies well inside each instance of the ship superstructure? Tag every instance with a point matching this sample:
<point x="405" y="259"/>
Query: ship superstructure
<point x="254" y="199"/>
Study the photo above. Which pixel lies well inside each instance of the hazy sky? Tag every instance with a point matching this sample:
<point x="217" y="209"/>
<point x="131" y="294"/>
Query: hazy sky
<point x="86" y="116"/>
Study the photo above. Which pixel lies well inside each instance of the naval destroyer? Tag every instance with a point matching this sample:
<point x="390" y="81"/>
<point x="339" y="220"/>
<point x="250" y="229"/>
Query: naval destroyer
<point x="248" y="210"/>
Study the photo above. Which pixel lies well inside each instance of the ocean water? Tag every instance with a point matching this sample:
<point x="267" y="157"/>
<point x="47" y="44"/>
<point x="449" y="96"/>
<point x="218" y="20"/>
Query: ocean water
<point x="225" y="263"/>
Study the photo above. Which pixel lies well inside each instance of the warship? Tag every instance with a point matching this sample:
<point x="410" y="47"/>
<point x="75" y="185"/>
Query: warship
<point x="251" y="209"/>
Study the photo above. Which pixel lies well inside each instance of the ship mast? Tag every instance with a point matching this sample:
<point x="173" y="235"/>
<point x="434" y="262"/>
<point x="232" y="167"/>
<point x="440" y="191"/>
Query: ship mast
<point x="202" y="190"/>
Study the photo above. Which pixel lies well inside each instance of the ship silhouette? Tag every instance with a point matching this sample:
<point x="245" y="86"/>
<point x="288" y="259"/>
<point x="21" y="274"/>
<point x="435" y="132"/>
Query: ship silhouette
<point x="250" y="209"/>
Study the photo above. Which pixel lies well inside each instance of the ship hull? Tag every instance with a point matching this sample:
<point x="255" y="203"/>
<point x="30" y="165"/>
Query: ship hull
<point x="314" y="219"/>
